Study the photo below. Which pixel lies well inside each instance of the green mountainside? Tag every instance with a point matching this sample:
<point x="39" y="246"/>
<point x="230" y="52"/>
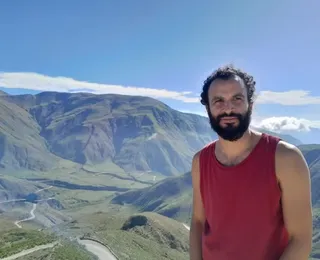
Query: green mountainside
<point x="312" y="155"/>
<point x="134" y="133"/>
<point x="170" y="197"/>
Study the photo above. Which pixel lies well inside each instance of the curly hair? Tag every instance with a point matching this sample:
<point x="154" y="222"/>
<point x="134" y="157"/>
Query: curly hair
<point x="226" y="73"/>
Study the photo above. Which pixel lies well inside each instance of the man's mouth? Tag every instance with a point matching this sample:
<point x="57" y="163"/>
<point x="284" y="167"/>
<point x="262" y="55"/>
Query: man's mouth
<point x="229" y="119"/>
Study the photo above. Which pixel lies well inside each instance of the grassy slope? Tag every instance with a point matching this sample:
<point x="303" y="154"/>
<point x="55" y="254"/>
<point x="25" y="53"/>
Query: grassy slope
<point x="16" y="240"/>
<point x="171" y="197"/>
<point x="67" y="251"/>
<point x="161" y="238"/>
<point x="73" y="186"/>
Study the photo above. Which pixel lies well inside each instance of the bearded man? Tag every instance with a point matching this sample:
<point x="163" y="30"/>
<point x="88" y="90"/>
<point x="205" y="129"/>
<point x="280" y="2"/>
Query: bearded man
<point x="251" y="190"/>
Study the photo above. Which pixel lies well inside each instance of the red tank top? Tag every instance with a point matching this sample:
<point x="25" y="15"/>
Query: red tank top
<point x="242" y="203"/>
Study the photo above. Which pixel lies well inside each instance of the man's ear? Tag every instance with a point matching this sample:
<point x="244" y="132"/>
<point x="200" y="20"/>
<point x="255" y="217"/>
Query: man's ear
<point x="251" y="106"/>
<point x="208" y="109"/>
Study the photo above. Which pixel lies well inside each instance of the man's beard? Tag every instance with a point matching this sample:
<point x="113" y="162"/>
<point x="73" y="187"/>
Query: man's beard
<point x="230" y="132"/>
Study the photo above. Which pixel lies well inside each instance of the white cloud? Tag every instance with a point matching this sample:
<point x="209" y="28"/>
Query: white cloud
<point x="35" y="81"/>
<point x="292" y="97"/>
<point x="280" y="124"/>
<point x="275" y="124"/>
<point x="40" y="82"/>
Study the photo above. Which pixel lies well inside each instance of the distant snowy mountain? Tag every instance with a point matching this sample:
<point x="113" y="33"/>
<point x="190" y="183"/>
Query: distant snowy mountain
<point x="307" y="137"/>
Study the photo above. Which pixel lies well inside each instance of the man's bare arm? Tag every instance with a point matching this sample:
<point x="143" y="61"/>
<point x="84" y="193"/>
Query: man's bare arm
<point x="197" y="221"/>
<point x="294" y="177"/>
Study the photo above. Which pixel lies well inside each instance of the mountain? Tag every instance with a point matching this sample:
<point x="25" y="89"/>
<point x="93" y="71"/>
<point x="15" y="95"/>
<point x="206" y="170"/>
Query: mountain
<point x="21" y="145"/>
<point x="172" y="197"/>
<point x="309" y="136"/>
<point x="2" y="93"/>
<point x="138" y="134"/>
<point x="312" y="155"/>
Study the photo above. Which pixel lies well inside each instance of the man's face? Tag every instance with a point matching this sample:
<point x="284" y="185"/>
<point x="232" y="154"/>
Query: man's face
<point x="229" y="110"/>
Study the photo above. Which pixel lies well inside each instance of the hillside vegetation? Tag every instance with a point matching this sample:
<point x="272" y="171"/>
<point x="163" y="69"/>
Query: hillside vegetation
<point x="14" y="241"/>
<point x="140" y="236"/>
<point x="171" y="197"/>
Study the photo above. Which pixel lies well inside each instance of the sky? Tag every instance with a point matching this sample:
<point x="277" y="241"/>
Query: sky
<point x="166" y="49"/>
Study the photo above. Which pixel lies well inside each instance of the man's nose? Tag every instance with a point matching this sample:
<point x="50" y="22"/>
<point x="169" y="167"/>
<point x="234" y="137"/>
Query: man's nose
<point x="228" y="107"/>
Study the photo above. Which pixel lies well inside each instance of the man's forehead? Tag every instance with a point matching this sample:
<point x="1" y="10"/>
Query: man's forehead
<point x="235" y="84"/>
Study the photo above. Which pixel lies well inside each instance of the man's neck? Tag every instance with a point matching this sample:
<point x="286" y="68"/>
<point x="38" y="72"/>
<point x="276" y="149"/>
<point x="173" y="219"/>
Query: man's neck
<point x="234" y="149"/>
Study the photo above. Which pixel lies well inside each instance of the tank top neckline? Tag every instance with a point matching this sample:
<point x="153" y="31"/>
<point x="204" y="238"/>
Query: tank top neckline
<point x="243" y="162"/>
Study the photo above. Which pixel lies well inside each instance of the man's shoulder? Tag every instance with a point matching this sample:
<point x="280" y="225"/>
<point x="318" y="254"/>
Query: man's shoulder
<point x="289" y="159"/>
<point x="284" y="150"/>
<point x="291" y="166"/>
<point x="287" y="150"/>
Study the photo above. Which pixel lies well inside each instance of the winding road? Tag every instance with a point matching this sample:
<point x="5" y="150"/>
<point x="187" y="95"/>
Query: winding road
<point x="32" y="216"/>
<point x="102" y="252"/>
<point x="47" y="188"/>
<point x="7" y="201"/>
<point x="29" y="251"/>
<point x="186" y="226"/>
<point x="97" y="249"/>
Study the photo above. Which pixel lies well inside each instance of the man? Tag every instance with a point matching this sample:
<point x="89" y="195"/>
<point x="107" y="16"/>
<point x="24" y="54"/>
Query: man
<point x="251" y="191"/>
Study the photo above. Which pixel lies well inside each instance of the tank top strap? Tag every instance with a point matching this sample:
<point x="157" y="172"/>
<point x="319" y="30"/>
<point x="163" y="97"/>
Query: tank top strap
<point x="206" y="153"/>
<point x="269" y="148"/>
<point x="206" y="165"/>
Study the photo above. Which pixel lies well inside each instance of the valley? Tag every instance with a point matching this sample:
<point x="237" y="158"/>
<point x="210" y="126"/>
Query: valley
<point x="108" y="169"/>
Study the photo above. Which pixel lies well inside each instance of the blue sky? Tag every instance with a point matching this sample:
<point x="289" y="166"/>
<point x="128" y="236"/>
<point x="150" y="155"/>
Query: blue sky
<point x="165" y="49"/>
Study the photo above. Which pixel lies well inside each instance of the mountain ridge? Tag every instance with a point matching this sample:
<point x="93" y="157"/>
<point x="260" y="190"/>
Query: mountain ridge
<point x="139" y="134"/>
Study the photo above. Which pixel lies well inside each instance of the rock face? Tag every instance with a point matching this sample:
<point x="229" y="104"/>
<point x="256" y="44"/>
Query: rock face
<point x="135" y="221"/>
<point x="21" y="145"/>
